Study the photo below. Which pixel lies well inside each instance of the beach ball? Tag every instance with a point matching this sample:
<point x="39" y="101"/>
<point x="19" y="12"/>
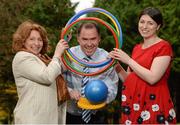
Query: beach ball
<point x="96" y="91"/>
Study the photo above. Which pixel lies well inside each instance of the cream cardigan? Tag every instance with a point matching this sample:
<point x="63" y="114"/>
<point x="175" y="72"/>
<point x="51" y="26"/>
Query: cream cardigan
<point x="36" y="90"/>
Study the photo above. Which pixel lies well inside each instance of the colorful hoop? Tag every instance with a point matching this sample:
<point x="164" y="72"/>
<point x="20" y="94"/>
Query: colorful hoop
<point x="77" y="71"/>
<point x="81" y="62"/>
<point x="106" y="13"/>
<point x="71" y="57"/>
<point x="105" y="63"/>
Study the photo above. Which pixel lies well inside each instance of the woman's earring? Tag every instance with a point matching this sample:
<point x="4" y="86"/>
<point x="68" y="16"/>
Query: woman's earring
<point x="158" y="28"/>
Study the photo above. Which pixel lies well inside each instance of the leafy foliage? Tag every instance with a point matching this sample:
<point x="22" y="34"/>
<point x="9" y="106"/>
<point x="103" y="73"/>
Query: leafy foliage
<point x="127" y="13"/>
<point x="52" y="14"/>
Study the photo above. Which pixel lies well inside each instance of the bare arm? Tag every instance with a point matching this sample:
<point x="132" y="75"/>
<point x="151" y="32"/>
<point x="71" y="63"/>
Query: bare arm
<point x="151" y="76"/>
<point x="121" y="72"/>
<point x="156" y="71"/>
<point x="61" y="46"/>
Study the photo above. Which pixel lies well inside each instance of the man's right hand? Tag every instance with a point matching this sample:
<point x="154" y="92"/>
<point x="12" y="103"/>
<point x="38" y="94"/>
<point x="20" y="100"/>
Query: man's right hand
<point x="75" y="94"/>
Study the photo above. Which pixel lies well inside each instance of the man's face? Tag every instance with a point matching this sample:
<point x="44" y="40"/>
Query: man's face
<point x="88" y="40"/>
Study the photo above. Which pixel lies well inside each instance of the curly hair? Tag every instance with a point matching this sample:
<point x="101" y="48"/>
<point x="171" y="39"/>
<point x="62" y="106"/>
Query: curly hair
<point x="23" y="32"/>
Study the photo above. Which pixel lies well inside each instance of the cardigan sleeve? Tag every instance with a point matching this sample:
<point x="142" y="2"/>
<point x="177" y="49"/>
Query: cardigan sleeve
<point x="31" y="67"/>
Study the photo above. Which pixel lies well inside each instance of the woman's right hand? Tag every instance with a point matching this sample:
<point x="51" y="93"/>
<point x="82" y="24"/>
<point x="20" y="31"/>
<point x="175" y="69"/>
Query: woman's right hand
<point x="60" y="47"/>
<point x="120" y="55"/>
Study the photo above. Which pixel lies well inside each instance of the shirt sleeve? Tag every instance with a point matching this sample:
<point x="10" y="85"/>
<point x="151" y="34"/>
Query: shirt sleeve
<point x="164" y="49"/>
<point x="30" y="67"/>
<point x="111" y="79"/>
